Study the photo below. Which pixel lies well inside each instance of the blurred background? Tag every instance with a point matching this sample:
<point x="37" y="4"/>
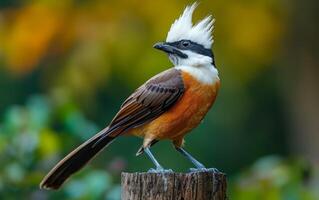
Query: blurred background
<point x="66" y="66"/>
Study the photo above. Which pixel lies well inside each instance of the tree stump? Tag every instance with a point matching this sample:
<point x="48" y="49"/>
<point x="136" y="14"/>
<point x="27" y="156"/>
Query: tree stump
<point x="174" y="186"/>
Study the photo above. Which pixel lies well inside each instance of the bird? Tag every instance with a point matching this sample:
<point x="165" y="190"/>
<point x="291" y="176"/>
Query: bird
<point x="166" y="107"/>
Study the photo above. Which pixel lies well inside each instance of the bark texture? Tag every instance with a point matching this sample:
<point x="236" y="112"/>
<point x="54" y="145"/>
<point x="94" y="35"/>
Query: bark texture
<point x="174" y="186"/>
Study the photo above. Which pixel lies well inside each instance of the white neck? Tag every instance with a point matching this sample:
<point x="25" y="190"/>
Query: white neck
<point x="206" y="74"/>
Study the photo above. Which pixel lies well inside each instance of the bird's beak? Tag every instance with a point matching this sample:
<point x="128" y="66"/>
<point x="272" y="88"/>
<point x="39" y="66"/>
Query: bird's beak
<point x="166" y="47"/>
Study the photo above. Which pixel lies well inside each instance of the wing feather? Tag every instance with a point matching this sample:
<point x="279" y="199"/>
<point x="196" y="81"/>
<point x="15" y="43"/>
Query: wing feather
<point x="149" y="101"/>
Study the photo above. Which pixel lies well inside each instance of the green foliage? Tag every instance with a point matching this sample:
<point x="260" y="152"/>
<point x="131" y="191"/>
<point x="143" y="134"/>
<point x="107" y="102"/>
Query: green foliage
<point x="273" y="178"/>
<point x="30" y="146"/>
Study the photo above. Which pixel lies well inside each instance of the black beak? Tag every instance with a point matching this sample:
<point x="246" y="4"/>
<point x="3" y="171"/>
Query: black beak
<point x="166" y="47"/>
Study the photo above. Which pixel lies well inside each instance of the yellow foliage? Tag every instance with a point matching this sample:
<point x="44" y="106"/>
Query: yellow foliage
<point x="252" y="35"/>
<point x="256" y="31"/>
<point x="102" y="37"/>
<point x="48" y="143"/>
<point x="30" y="35"/>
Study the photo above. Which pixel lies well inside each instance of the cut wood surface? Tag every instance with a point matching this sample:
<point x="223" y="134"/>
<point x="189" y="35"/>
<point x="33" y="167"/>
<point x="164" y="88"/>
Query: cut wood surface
<point x="174" y="186"/>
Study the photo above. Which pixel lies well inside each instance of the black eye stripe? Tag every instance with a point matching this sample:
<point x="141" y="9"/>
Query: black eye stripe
<point x="193" y="46"/>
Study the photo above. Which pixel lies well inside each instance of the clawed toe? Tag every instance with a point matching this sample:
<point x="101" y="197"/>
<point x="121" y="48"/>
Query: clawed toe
<point x="160" y="170"/>
<point x="152" y="170"/>
<point x="214" y="170"/>
<point x="198" y="169"/>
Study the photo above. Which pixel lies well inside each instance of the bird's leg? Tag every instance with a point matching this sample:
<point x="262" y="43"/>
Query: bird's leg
<point x="153" y="159"/>
<point x="159" y="168"/>
<point x="199" y="166"/>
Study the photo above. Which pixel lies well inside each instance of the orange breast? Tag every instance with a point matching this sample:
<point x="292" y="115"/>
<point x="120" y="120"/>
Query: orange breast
<point x="186" y="114"/>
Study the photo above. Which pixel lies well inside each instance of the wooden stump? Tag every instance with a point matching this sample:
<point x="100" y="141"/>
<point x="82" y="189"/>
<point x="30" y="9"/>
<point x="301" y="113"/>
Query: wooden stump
<point x="174" y="186"/>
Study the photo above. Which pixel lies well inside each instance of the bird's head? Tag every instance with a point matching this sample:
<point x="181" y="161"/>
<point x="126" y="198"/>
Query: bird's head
<point x="188" y="44"/>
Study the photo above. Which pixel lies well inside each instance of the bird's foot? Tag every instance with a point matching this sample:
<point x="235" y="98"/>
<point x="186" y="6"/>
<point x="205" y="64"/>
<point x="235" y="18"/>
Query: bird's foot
<point x="203" y="169"/>
<point x="160" y="170"/>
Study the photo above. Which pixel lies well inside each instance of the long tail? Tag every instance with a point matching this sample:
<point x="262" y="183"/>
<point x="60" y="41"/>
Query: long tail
<point x="77" y="159"/>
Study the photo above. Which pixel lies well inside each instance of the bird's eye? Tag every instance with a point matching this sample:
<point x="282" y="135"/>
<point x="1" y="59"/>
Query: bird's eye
<point x="185" y="43"/>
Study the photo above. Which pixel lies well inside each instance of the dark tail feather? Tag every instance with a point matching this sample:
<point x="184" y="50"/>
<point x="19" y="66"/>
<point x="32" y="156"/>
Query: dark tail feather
<point x="75" y="160"/>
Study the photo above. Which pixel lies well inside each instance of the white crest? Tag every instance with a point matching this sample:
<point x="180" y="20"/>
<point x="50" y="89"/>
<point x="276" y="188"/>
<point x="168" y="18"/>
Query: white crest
<point x="183" y="29"/>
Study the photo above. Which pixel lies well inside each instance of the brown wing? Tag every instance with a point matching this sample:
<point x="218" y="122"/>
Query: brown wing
<point x="149" y="101"/>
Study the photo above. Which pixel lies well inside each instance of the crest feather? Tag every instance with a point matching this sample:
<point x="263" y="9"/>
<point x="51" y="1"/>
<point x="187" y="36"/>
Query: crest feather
<point x="183" y="29"/>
